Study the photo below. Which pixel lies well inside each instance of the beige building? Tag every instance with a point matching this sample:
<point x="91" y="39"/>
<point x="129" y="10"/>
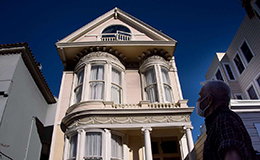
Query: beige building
<point x="120" y="96"/>
<point x="239" y="67"/>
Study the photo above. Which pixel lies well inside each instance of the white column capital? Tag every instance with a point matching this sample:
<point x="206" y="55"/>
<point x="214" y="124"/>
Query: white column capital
<point x="145" y="129"/>
<point x="80" y="131"/>
<point x="187" y="127"/>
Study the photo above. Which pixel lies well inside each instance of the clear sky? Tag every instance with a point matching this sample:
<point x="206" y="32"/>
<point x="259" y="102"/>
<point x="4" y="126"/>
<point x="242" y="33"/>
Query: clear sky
<point x="201" y="28"/>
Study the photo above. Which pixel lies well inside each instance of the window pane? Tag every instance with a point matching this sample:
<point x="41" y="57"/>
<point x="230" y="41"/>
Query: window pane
<point x="230" y="73"/>
<point x="167" y="92"/>
<point x="80" y="76"/>
<point x="78" y="93"/>
<point x="116" y="94"/>
<point x="219" y="76"/>
<point x="73" y="146"/>
<point x="251" y="92"/>
<point x="96" y="90"/>
<point x="116" y="76"/>
<point x="165" y="76"/>
<point x="97" y="72"/>
<point x="169" y="147"/>
<point x="116" y="147"/>
<point x="239" y="64"/>
<point x="150" y="76"/>
<point x="239" y="97"/>
<point x="246" y="51"/>
<point x="152" y="93"/>
<point x="93" y="145"/>
<point x="155" y="149"/>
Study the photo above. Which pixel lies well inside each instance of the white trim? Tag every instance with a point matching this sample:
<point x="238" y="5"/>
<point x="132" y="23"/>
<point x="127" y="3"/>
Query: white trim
<point x="214" y="77"/>
<point x="256" y="8"/>
<point x="238" y="94"/>
<point x="257" y="126"/>
<point x="256" y="83"/>
<point x="242" y="53"/>
<point x="248" y="102"/>
<point x="226" y="63"/>
<point x="237" y="53"/>
<point x="251" y="84"/>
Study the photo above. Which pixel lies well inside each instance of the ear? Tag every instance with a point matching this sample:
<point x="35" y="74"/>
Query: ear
<point x="210" y="100"/>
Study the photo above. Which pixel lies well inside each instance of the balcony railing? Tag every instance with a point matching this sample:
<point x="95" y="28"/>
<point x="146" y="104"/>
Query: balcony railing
<point x="118" y="36"/>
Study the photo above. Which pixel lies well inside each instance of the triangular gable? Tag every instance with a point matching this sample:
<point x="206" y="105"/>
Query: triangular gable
<point x="92" y="31"/>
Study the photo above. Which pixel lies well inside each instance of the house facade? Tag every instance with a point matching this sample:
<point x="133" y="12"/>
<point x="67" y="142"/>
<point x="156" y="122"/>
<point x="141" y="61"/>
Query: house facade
<point x="27" y="106"/>
<point x="120" y="96"/>
<point x="239" y="67"/>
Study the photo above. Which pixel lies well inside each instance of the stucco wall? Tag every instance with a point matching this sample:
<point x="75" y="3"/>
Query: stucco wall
<point x="24" y="101"/>
<point x="133" y="86"/>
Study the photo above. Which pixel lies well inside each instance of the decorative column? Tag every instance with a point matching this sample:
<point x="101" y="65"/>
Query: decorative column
<point x="147" y="143"/>
<point x="66" y="147"/>
<point x="80" y="144"/>
<point x="189" y="141"/>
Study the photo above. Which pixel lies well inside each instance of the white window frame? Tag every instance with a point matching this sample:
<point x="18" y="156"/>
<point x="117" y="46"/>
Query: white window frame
<point x="109" y="63"/>
<point x="251" y="84"/>
<point x="237" y="53"/>
<point x="225" y="63"/>
<point x="169" y="85"/>
<point x="257" y="126"/>
<point x="256" y="83"/>
<point x="242" y="53"/>
<point x="157" y="64"/>
<point x="214" y="76"/>
<point x="121" y="79"/>
<point x="155" y="83"/>
<point x="238" y="94"/>
<point x="255" y="7"/>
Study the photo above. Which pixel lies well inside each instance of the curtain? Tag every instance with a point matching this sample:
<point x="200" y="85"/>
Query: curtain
<point x="116" y="94"/>
<point x="93" y="145"/>
<point x="167" y="92"/>
<point x="97" y="87"/>
<point x="116" y="147"/>
<point x="116" y="76"/>
<point x="80" y="77"/>
<point x="165" y="76"/>
<point x="150" y="76"/>
<point x="73" y="146"/>
<point x="152" y="93"/>
<point x="78" y="89"/>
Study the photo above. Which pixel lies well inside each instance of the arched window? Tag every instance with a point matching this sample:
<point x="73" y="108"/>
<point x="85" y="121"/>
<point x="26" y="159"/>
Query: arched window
<point x="116" y="33"/>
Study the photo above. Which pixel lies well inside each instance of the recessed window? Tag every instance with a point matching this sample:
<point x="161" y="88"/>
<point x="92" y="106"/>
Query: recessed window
<point x="116" y="147"/>
<point x="151" y="85"/>
<point x="116" y="33"/>
<point x="96" y="82"/>
<point x="229" y="72"/>
<point x="73" y="147"/>
<point x="238" y="96"/>
<point x="246" y="52"/>
<point x="116" y="88"/>
<point x="219" y="75"/>
<point x="239" y="64"/>
<point x="79" y="84"/>
<point x="93" y="146"/>
<point x="252" y="93"/>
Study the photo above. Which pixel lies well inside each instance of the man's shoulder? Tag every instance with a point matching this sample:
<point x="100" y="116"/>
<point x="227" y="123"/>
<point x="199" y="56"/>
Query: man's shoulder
<point x="228" y="116"/>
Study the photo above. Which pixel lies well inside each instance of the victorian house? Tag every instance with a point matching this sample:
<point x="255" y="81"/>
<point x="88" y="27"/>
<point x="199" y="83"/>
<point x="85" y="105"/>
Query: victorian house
<point x="120" y="95"/>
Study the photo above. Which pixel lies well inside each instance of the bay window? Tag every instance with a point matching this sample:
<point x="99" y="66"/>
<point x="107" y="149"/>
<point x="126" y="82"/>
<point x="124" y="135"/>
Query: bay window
<point x="116" y="147"/>
<point x="73" y="147"/>
<point x="98" y="77"/>
<point x="156" y="81"/>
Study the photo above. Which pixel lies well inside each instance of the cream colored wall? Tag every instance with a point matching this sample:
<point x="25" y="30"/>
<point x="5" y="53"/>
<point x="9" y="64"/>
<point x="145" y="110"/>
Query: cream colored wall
<point x="59" y="144"/>
<point x="137" y="35"/>
<point x="199" y="145"/>
<point x="65" y="95"/>
<point x="174" y="84"/>
<point x="133" y="86"/>
<point x="249" y="30"/>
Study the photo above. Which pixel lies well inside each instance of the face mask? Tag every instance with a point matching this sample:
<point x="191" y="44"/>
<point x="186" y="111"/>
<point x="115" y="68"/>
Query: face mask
<point x="201" y="112"/>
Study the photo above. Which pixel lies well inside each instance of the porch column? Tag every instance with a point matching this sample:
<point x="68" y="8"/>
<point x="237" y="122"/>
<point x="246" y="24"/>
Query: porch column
<point x="189" y="142"/>
<point x="147" y="143"/>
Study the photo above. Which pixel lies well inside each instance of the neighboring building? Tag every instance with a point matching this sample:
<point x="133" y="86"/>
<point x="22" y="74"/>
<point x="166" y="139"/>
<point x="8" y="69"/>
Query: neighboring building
<point x="120" y="96"/>
<point x="27" y="106"/>
<point x="239" y="67"/>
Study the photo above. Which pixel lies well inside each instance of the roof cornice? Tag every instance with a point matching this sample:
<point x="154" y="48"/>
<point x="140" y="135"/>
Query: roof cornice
<point x="31" y="64"/>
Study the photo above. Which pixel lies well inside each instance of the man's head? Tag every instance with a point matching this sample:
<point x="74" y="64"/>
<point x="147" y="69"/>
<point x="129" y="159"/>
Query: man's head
<point x="213" y="94"/>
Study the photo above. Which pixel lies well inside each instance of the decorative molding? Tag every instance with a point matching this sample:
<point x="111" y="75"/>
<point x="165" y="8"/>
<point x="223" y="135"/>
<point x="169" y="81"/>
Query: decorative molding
<point x="130" y="120"/>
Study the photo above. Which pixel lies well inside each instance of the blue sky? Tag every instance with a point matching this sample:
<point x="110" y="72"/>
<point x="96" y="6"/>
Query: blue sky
<point x="201" y="28"/>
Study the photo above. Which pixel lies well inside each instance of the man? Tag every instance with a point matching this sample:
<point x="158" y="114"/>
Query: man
<point x="227" y="137"/>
